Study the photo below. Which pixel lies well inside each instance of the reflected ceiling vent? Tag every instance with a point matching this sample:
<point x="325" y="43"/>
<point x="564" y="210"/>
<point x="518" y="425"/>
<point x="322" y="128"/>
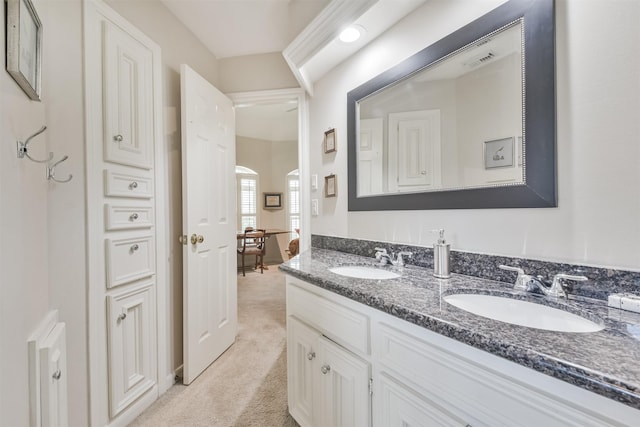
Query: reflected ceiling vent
<point x="480" y="59"/>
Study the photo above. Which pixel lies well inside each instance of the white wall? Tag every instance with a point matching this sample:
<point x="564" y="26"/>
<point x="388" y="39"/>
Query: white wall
<point x="598" y="81"/>
<point x="63" y="83"/>
<point x="24" y="261"/>
<point x="255" y="73"/>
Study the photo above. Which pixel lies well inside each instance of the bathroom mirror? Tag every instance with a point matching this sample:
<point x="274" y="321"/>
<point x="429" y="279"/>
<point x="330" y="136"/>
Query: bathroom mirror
<point x="468" y="122"/>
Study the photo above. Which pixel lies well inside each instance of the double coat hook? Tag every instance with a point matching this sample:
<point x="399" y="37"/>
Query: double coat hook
<point x="23" y="148"/>
<point x="51" y="171"/>
<point x="23" y="151"/>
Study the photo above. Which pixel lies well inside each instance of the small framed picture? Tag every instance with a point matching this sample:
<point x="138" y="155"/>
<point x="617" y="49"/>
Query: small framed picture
<point x="498" y="153"/>
<point x="272" y="200"/>
<point x="24" y="46"/>
<point x="330" y="186"/>
<point x="330" y="141"/>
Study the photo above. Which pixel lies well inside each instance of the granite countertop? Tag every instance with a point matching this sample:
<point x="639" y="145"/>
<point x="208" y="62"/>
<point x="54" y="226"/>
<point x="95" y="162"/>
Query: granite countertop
<point x="604" y="362"/>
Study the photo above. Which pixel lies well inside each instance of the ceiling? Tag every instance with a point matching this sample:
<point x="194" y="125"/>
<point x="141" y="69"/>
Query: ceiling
<point x="269" y="122"/>
<point x="231" y="28"/>
<point x="304" y="31"/>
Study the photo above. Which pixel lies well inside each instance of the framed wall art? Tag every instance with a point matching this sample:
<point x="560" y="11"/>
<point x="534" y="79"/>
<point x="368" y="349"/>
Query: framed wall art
<point x="330" y="186"/>
<point x="272" y="200"/>
<point x="330" y="141"/>
<point x="24" y="46"/>
<point x="498" y="153"/>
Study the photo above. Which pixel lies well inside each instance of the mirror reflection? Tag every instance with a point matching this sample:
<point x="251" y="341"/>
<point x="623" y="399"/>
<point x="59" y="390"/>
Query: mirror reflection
<point x="456" y="124"/>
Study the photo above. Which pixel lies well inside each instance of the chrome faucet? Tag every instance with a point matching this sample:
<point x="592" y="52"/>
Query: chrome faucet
<point x="529" y="283"/>
<point x="385" y="258"/>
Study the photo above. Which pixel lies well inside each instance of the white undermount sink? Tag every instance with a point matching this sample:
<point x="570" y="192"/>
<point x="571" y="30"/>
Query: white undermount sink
<point x="522" y="313"/>
<point x="364" y="272"/>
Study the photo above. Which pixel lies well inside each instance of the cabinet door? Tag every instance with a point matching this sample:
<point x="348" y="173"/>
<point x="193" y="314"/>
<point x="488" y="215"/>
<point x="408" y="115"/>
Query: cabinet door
<point x="131" y="320"/>
<point x="341" y="395"/>
<point x="397" y="406"/>
<point x="302" y="343"/>
<point x="128" y="99"/>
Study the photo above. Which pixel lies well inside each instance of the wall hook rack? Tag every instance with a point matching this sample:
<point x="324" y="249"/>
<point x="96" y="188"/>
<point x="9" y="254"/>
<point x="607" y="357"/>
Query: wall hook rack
<point x="51" y="171"/>
<point x="22" y="148"/>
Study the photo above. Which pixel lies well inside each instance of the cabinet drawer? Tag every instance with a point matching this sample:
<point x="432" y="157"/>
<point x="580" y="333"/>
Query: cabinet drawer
<point x="397" y="406"/>
<point x="343" y="325"/>
<point x="128" y="185"/>
<point x="127" y="217"/>
<point x="129" y="259"/>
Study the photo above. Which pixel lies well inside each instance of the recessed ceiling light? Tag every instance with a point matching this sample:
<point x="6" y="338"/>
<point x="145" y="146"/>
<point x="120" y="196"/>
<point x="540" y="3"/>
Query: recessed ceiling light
<point x="351" y="34"/>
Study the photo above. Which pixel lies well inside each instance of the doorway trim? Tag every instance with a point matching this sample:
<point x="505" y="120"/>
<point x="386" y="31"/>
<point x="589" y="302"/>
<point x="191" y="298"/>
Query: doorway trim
<point x="269" y="97"/>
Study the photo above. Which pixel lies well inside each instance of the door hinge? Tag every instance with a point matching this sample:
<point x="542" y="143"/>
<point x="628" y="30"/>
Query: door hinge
<point x="371" y="386"/>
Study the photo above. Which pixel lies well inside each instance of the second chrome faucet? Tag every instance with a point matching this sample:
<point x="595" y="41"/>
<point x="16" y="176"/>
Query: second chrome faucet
<point x="529" y="283"/>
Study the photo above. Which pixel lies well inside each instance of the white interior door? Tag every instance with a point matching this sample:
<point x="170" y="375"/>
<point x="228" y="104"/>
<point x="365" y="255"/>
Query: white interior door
<point x="414" y="151"/>
<point x="209" y="223"/>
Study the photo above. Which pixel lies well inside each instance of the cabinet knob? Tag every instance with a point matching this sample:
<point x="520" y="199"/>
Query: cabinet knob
<point x="133" y="216"/>
<point x="133" y="185"/>
<point x="135" y="247"/>
<point x="57" y="374"/>
<point x="122" y="316"/>
<point x="311" y="355"/>
<point x="118" y="138"/>
<point x="325" y="369"/>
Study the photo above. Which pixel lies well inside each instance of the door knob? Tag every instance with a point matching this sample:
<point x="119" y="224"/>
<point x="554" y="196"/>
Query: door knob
<point x="325" y="369"/>
<point x="311" y="355"/>
<point x="183" y="239"/>
<point x="195" y="238"/>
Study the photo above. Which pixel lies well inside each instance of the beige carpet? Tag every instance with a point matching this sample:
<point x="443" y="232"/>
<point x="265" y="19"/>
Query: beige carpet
<point x="247" y="385"/>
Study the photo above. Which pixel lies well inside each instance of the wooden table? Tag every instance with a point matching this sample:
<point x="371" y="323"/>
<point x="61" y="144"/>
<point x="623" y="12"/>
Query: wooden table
<point x="268" y="233"/>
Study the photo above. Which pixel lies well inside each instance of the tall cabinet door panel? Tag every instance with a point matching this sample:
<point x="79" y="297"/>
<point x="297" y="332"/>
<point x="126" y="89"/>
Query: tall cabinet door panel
<point x="302" y="345"/>
<point x="343" y="387"/>
<point x="128" y="91"/>
<point x="131" y="345"/>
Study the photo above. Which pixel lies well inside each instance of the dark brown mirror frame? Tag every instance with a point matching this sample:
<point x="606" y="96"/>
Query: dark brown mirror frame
<point x="539" y="189"/>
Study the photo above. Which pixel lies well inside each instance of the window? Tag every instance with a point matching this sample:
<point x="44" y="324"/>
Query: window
<point x="247" y="196"/>
<point x="293" y="207"/>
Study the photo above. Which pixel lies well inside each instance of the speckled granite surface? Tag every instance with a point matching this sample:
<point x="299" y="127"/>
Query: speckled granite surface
<point x="602" y="281"/>
<point x="605" y="362"/>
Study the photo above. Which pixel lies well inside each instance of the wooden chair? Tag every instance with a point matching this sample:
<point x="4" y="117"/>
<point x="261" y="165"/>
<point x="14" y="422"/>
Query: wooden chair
<point x="253" y="243"/>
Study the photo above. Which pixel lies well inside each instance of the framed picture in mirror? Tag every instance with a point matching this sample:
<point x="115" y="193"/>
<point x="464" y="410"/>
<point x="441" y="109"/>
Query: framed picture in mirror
<point x="24" y="46"/>
<point x="498" y="153"/>
<point x="330" y="141"/>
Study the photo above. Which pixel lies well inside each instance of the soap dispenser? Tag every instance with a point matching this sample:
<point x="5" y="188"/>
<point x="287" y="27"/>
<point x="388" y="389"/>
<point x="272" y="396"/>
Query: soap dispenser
<point x="441" y="257"/>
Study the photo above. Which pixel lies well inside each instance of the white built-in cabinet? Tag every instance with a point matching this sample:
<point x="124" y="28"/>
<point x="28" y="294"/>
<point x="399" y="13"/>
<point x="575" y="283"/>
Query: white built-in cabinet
<point x="124" y="136"/>
<point x="418" y="377"/>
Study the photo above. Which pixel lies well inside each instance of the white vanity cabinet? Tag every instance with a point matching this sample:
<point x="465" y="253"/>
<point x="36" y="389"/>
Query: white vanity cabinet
<point x="328" y="384"/>
<point x="420" y="378"/>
